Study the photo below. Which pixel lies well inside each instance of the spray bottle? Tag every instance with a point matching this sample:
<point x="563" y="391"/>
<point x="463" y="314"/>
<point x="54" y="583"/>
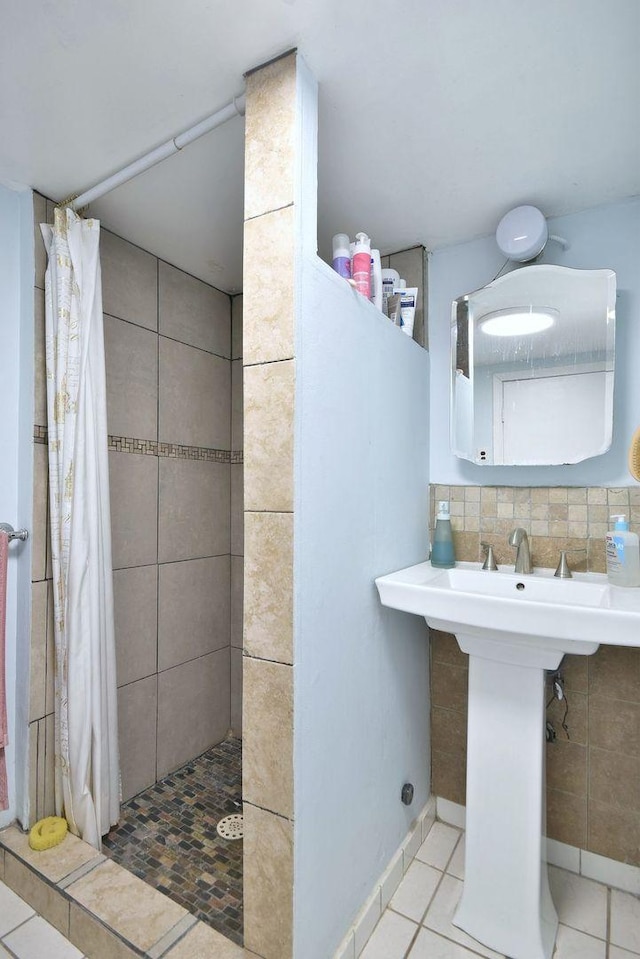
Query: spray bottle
<point x="341" y="262"/>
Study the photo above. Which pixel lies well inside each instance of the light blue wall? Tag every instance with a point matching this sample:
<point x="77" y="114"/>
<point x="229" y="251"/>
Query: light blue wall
<point x="16" y="429"/>
<point x="604" y="237"/>
<point x="361" y="671"/>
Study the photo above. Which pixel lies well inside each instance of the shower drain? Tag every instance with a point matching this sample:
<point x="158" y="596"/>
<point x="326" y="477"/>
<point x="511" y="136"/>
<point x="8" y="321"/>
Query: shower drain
<point x="231" y="827"/>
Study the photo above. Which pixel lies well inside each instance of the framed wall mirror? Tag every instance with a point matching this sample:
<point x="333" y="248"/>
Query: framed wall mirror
<point x="532" y="367"/>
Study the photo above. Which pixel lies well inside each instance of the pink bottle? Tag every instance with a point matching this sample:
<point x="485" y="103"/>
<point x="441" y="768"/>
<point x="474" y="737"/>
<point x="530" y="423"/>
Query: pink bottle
<point x="361" y="265"/>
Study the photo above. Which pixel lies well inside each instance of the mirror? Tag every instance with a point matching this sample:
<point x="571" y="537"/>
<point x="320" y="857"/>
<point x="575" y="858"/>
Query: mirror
<point x="532" y="367"/>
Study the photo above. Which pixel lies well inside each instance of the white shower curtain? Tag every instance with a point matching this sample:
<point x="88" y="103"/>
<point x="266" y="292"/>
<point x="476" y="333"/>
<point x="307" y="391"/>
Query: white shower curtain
<point x="87" y="781"/>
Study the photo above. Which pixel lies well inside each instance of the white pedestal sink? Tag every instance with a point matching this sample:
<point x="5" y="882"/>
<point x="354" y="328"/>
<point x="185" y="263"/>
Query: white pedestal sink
<point x="514" y="627"/>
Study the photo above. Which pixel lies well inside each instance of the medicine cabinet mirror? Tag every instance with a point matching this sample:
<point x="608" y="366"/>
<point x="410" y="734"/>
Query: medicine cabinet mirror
<point x="532" y="367"/>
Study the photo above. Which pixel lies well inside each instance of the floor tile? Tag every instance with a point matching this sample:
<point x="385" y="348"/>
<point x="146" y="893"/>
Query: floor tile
<point x="440" y="914"/>
<point x="13" y="910"/>
<point x="416" y="889"/>
<point x="580" y="903"/>
<point x="391" y="938"/>
<point x="625" y="920"/>
<point x="429" y="945"/>
<point x="437" y="848"/>
<point x="571" y="944"/>
<point x="615" y="952"/>
<point x="456" y="864"/>
<point x="36" y="939"/>
<point x="167" y="836"/>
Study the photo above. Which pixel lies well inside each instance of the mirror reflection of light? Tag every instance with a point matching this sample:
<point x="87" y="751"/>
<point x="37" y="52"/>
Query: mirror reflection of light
<point x="517" y="322"/>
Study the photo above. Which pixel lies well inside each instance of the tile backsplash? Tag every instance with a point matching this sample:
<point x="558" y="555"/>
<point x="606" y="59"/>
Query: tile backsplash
<point x="593" y="777"/>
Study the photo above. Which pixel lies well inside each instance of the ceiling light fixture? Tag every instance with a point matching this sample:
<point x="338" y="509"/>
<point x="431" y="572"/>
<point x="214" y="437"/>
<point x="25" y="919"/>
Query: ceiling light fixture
<point x="517" y="321"/>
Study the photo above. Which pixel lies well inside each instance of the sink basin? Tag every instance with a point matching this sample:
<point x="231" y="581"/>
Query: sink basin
<point x="514" y="627"/>
<point x="536" y="611"/>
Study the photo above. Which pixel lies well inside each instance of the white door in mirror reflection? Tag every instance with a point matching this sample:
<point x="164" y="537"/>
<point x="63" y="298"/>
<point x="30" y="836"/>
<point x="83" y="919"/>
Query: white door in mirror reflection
<point x="550" y="419"/>
<point x="538" y="324"/>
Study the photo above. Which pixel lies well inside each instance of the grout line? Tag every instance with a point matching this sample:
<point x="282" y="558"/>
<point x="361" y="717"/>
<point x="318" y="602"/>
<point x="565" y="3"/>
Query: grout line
<point x="282" y="359"/>
<point x="276" y="209"/>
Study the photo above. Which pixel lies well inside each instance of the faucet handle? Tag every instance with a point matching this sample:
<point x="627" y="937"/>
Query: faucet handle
<point x="489" y="560"/>
<point x="564" y="570"/>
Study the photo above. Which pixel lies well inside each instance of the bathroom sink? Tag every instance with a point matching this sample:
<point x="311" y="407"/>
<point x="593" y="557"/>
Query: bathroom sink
<point x="514" y="627"/>
<point x="536" y="610"/>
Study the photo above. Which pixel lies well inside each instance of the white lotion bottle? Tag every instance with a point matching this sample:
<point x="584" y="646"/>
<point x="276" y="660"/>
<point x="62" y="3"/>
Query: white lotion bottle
<point x="623" y="554"/>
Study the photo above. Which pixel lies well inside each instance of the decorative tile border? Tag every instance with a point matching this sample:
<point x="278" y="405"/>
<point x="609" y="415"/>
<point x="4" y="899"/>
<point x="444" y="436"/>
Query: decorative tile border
<point x="129" y="444"/>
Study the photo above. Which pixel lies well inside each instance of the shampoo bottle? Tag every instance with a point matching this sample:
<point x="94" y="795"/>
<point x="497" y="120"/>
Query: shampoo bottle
<point x="361" y="265"/>
<point x="342" y="255"/>
<point x="442" y="554"/>
<point x="623" y="554"/>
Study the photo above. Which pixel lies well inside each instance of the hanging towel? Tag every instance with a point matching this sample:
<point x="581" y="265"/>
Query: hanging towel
<point x="4" y="732"/>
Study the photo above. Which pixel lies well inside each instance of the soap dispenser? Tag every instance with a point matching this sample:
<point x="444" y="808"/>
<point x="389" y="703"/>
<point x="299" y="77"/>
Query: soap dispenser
<point x="442" y="552"/>
<point x="623" y="554"/>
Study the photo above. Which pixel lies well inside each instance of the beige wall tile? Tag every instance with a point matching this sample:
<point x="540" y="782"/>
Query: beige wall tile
<point x="237" y="509"/>
<point x="269" y="137"/>
<point x="129" y="281"/>
<point x="49" y="766"/>
<point x="40" y="510"/>
<point x="237" y="600"/>
<point x="567" y="818"/>
<point x="133" y="480"/>
<point x="33" y="774"/>
<point x="445" y="649"/>
<point x="137" y="706"/>
<point x="577" y="718"/>
<point x="449" y="685"/>
<point x="193" y="312"/>
<point x="55" y="863"/>
<point x="193" y="518"/>
<point x="39" y="373"/>
<point x="268" y="883"/>
<point x="195" y="397"/>
<point x="449" y="776"/>
<point x="93" y="939"/>
<point x="615" y="671"/>
<point x="44" y="898"/>
<point x="236" y="690"/>
<point x="268" y="327"/>
<point x="448" y="730"/>
<point x="614" y="779"/>
<point x="575" y="670"/>
<point x="614" y="725"/>
<point x="268" y="596"/>
<point x="267" y="749"/>
<point x="194" y="616"/>
<point x="135" y="594"/>
<point x="194" y="709"/>
<point x="131" y="360"/>
<point x="236" y="327"/>
<point x="38" y="656"/>
<point x="614" y="832"/>
<point x="120" y="899"/>
<point x="567" y="766"/>
<point x="40" y="253"/>
<point x="236" y="405"/>
<point x="268" y="436"/>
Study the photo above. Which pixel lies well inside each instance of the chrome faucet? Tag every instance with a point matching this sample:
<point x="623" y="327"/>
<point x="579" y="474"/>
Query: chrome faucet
<point x="518" y="538"/>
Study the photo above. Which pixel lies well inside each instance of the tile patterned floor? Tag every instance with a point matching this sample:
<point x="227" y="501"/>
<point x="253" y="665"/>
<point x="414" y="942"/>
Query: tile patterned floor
<point x="167" y="836"/>
<point x="26" y="935"/>
<point x="596" y="922"/>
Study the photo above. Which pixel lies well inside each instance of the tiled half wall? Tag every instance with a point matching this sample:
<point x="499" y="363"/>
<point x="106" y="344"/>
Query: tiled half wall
<point x="174" y="408"/>
<point x="593" y="778"/>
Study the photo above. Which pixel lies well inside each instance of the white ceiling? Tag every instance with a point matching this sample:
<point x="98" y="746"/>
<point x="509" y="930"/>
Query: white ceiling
<point x="436" y="116"/>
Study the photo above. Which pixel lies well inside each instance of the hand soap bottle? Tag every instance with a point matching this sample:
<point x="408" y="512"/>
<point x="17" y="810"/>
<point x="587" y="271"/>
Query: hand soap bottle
<point x="623" y="554"/>
<point x="442" y="553"/>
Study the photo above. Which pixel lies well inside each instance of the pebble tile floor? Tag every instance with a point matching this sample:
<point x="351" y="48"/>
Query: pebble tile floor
<point x="167" y="836"/>
<point x="596" y="922"/>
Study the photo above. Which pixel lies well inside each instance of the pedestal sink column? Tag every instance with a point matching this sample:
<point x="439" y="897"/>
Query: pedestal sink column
<point x="506" y="902"/>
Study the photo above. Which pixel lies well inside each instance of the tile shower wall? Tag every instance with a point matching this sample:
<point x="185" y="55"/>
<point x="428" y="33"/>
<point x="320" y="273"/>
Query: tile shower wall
<point x="593" y="778"/>
<point x="175" y="514"/>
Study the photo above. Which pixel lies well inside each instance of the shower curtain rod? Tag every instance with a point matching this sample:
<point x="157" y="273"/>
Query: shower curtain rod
<point x="174" y="145"/>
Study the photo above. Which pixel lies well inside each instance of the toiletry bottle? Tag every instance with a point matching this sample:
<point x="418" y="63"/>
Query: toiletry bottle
<point x="341" y="262"/>
<point x="442" y="554"/>
<point x="623" y="554"/>
<point x="389" y="280"/>
<point x="361" y="265"/>
<point x="376" y="280"/>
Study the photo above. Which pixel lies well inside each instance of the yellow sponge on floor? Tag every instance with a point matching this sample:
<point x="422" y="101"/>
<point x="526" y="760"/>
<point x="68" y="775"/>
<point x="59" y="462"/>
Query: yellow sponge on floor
<point x="48" y="833"/>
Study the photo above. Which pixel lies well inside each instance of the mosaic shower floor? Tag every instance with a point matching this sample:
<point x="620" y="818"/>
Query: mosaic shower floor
<point x="167" y="836"/>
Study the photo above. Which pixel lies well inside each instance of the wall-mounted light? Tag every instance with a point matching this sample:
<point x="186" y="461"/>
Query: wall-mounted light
<point x="517" y="321"/>
<point x="522" y="234"/>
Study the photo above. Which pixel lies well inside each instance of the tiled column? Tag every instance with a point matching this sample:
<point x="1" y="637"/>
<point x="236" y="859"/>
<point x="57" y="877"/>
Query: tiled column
<point x="269" y="383"/>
